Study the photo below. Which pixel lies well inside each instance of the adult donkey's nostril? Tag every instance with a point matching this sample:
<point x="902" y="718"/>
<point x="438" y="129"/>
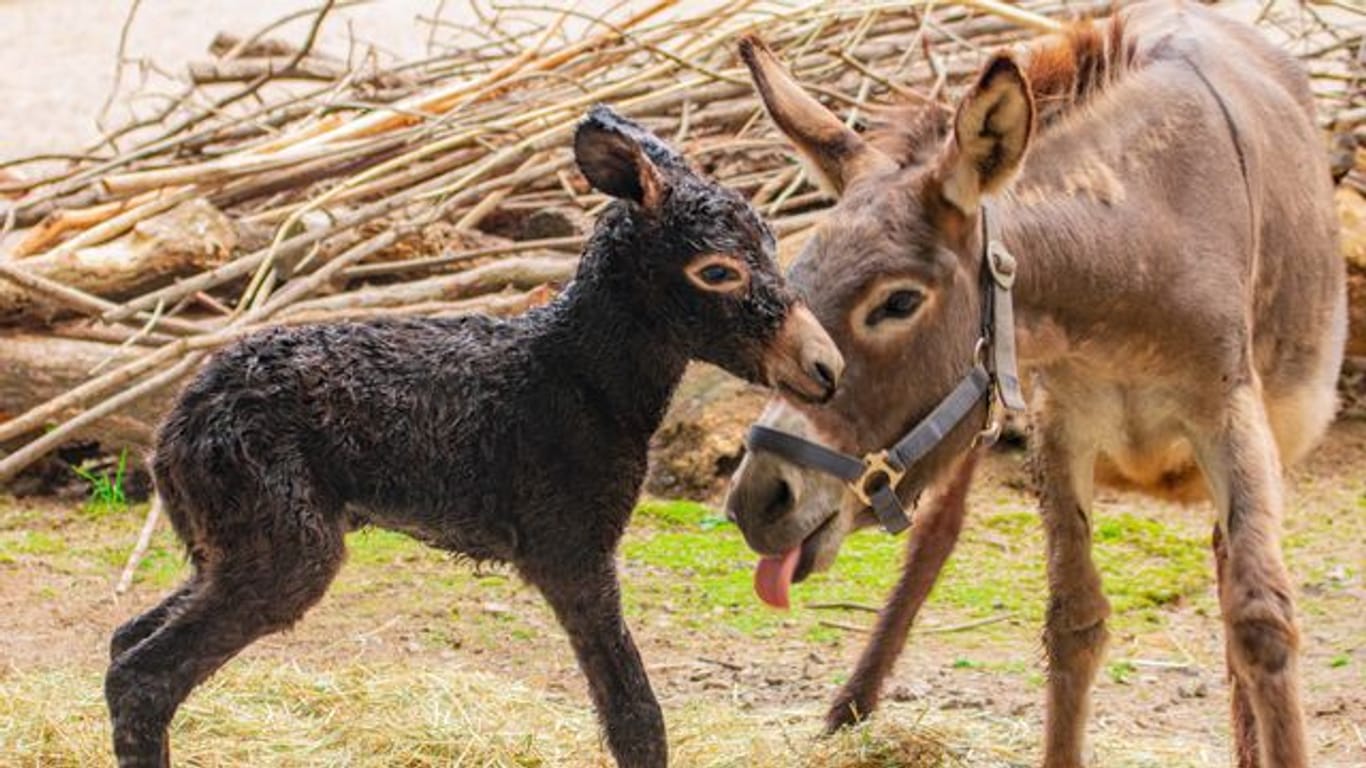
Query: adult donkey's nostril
<point x="780" y="502"/>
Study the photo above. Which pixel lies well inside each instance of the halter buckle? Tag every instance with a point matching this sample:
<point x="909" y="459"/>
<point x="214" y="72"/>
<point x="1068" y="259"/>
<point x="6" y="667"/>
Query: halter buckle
<point x="875" y="465"/>
<point x="989" y="435"/>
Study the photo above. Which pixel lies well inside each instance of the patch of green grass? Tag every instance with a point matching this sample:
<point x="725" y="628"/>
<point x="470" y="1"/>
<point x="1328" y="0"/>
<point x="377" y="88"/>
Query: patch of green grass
<point x="106" y="493"/>
<point x="33" y="543"/>
<point x="1144" y="563"/>
<point x="1120" y="671"/>
<point x="376" y="546"/>
<point x="678" y="513"/>
<point x="1148" y="564"/>
<point x="705" y="570"/>
<point x="1339" y="661"/>
<point x="163" y="566"/>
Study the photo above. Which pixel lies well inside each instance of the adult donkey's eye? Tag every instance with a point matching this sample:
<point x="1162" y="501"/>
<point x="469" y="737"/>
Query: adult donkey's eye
<point x="900" y="304"/>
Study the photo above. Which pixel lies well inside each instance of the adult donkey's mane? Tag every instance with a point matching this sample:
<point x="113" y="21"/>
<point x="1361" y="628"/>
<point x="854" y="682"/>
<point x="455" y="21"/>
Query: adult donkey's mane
<point x="1066" y="71"/>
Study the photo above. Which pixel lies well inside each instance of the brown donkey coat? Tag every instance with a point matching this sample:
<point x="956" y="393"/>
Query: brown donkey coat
<point x="1180" y="314"/>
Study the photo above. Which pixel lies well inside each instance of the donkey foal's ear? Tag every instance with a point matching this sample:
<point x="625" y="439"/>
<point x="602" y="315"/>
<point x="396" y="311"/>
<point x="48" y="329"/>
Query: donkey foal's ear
<point x="990" y="133"/>
<point x="611" y="156"/>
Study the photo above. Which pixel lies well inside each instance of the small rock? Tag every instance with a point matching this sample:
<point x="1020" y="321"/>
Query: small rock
<point x="903" y="693"/>
<point x="1197" y="690"/>
<point x="966" y="702"/>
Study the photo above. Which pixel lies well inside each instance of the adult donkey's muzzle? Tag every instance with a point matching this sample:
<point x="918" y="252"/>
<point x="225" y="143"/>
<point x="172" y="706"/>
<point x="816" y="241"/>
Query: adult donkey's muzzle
<point x="803" y="360"/>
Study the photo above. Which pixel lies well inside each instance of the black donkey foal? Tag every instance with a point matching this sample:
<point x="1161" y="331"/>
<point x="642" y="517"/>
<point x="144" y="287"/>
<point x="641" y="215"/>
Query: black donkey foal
<point x="522" y="440"/>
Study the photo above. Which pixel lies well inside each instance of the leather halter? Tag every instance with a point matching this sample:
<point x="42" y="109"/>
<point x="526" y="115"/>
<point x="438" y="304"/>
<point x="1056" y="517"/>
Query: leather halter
<point x="873" y="479"/>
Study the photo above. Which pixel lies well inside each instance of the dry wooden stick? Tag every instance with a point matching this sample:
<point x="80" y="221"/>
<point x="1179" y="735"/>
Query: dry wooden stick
<point x="80" y="301"/>
<point x="307" y="68"/>
<point x="846" y="627"/>
<point x="158" y="201"/>
<point x="964" y="626"/>
<point x="149" y="525"/>
<point x="843" y="606"/>
<point x="571" y="242"/>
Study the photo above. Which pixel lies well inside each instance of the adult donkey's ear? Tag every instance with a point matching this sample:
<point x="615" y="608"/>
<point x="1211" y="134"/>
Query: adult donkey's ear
<point x="614" y="154"/>
<point x="834" y="154"/>
<point x="990" y="134"/>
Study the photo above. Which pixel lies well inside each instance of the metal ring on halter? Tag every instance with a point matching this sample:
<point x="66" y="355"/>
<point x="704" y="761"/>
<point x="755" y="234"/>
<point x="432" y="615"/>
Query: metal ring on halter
<point x="875" y="465"/>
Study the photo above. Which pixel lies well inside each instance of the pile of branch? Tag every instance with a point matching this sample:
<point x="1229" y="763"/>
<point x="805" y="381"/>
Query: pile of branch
<point x="285" y="185"/>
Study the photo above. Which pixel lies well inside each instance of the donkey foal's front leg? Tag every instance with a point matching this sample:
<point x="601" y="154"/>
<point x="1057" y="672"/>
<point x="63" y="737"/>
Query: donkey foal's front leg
<point x="588" y="606"/>
<point x="1075" y="634"/>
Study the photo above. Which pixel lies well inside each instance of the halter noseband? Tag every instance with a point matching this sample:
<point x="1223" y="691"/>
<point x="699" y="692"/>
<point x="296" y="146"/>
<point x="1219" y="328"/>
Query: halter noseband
<point x="873" y="479"/>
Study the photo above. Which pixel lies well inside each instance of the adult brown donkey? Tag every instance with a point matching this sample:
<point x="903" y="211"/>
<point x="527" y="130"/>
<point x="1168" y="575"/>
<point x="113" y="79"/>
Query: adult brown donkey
<point x="1179" y="309"/>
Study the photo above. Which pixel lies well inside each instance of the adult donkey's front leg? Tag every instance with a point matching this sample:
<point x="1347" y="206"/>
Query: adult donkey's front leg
<point x="932" y="539"/>
<point x="587" y="603"/>
<point x="1240" y="460"/>
<point x="1244" y="722"/>
<point x="1075" y="632"/>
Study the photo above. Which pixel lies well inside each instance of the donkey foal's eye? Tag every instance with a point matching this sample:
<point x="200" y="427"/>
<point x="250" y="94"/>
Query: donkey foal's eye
<point x="718" y="274"/>
<point x="899" y="305"/>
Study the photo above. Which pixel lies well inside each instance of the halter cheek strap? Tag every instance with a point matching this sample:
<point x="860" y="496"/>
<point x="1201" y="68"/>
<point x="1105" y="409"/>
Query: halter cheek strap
<point x="874" y="478"/>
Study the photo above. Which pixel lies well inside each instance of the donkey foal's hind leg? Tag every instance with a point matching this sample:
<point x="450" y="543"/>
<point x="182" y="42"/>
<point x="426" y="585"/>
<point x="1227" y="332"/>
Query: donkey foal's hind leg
<point x="1244" y="473"/>
<point x="240" y="598"/>
<point x="141" y="627"/>
<point x="1074" y="634"/>
<point x="588" y="606"/>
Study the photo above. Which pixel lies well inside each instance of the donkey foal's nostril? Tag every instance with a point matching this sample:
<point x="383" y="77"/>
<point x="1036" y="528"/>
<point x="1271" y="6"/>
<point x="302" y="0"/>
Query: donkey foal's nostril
<point x="824" y="375"/>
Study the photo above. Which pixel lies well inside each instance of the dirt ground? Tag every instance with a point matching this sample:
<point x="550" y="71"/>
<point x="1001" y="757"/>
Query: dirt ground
<point x="741" y="685"/>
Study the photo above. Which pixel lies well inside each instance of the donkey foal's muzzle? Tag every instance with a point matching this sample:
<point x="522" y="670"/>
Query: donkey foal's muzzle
<point x="804" y="361"/>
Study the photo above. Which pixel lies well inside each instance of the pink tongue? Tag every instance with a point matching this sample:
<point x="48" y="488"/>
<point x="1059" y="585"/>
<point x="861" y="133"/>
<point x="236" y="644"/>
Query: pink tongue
<point x="773" y="577"/>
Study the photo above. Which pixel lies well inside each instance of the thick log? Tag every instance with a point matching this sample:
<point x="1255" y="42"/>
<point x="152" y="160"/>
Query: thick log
<point x="38" y="368"/>
<point x="1352" y="216"/>
<point x="192" y="237"/>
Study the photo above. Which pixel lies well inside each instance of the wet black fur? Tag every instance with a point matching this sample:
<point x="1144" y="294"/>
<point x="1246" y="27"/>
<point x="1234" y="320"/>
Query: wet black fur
<point x="521" y="440"/>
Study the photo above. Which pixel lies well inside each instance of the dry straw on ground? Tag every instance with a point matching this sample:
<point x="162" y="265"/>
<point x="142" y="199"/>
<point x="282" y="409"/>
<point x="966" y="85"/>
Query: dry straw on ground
<point x="258" y="713"/>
